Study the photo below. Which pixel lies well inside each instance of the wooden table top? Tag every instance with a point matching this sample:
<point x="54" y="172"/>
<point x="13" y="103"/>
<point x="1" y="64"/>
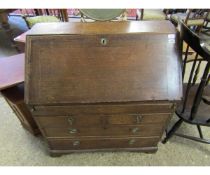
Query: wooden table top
<point x="151" y="26"/>
<point x="21" y="38"/>
<point x="11" y="70"/>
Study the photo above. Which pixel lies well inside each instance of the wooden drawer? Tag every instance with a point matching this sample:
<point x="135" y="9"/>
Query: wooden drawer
<point x="100" y="120"/>
<point x="102" y="143"/>
<point x="135" y="130"/>
<point x="121" y="108"/>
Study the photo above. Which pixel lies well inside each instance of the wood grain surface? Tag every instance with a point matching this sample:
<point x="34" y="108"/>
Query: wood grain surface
<point x="12" y="70"/>
<point x="141" y="65"/>
<point x="103" y="86"/>
<point x="120" y="27"/>
<point x="100" y="120"/>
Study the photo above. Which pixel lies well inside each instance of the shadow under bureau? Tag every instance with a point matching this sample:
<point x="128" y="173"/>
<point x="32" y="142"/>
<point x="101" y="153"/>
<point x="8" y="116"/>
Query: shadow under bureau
<point x="102" y="86"/>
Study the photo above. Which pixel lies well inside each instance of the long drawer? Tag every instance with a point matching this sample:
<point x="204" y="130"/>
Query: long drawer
<point x="135" y="130"/>
<point x="102" y="143"/>
<point x="100" y="120"/>
<point x="127" y="108"/>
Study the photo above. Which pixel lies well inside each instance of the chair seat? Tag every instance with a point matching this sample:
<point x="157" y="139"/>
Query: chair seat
<point x="154" y="15"/>
<point x="203" y="114"/>
<point x="182" y="16"/>
<point x="40" y="19"/>
<point x="201" y="118"/>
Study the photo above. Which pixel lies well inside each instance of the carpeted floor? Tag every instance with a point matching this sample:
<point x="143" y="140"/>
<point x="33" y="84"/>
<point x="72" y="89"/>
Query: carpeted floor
<point x="18" y="147"/>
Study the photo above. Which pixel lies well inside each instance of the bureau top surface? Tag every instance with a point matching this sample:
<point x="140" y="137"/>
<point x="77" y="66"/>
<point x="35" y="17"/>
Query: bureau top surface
<point x="103" y="28"/>
<point x="138" y="61"/>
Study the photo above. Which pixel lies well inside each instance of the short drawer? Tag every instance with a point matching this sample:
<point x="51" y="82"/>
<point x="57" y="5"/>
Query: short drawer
<point x="100" y="120"/>
<point x="102" y="143"/>
<point x="135" y="130"/>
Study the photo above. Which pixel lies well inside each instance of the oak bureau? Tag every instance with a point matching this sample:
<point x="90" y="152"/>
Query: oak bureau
<point x="102" y="86"/>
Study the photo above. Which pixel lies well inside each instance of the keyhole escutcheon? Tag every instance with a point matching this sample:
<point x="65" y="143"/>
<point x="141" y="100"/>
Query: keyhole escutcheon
<point x="103" y="41"/>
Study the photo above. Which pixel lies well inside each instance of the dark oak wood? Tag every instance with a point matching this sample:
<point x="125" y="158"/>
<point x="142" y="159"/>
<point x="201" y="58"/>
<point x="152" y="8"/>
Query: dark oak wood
<point x="103" y="143"/>
<point x="105" y="108"/>
<point x="121" y="27"/>
<point x="104" y="85"/>
<point x="92" y="65"/>
<point x="147" y="150"/>
<point x="96" y="120"/>
<point x="105" y="131"/>
<point x="11" y="71"/>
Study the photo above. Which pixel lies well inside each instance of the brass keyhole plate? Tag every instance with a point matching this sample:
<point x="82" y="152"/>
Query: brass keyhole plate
<point x="104" y="41"/>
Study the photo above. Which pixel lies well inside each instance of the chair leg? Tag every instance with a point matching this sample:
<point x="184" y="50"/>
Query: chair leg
<point x="200" y="131"/>
<point x="185" y="61"/>
<point x="199" y="92"/>
<point x="197" y="139"/>
<point x="170" y="133"/>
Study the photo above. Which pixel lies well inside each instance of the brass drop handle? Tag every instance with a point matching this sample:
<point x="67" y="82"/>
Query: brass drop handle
<point x="135" y="130"/>
<point x="72" y="131"/>
<point x="103" y="41"/>
<point x="138" y="119"/>
<point x="131" y="142"/>
<point x="70" y="120"/>
<point x="76" y="143"/>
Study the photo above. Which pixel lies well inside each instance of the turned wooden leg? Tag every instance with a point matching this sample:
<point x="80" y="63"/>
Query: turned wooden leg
<point x="151" y="152"/>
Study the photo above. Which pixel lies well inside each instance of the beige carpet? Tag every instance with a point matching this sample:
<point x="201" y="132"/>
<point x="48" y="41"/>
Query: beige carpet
<point x="18" y="147"/>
